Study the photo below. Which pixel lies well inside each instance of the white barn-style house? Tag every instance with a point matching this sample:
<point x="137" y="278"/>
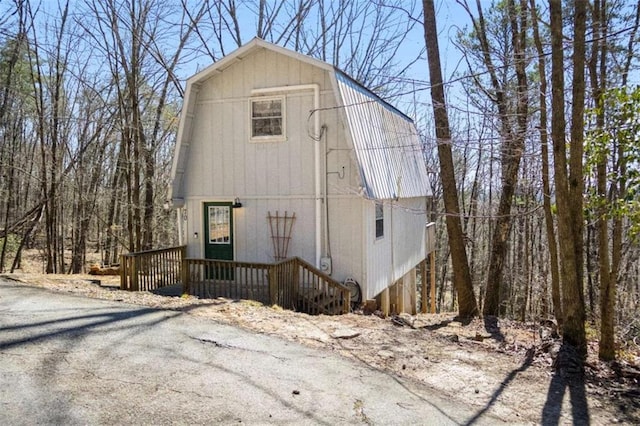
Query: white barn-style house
<point x="280" y="154"/>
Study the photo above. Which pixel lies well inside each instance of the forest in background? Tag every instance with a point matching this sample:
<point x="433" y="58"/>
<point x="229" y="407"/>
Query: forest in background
<point x="543" y="128"/>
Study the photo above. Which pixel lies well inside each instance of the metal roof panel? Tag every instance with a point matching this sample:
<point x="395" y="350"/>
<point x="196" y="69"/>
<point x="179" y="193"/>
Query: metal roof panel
<point x="386" y="143"/>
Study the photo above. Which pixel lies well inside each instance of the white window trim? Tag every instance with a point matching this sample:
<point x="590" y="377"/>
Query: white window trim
<point x="375" y="220"/>
<point x="275" y="138"/>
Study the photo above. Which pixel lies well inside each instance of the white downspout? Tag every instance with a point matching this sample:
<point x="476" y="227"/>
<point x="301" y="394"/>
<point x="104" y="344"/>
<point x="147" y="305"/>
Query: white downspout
<point x="325" y="196"/>
<point x="317" y="160"/>
<point x="179" y="224"/>
<point x="393" y="260"/>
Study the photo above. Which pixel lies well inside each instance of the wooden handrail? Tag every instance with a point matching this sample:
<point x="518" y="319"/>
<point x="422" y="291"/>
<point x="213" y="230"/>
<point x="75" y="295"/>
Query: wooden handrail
<point x="291" y="283"/>
<point x="155" y="251"/>
<point x="321" y="274"/>
<point x="151" y="269"/>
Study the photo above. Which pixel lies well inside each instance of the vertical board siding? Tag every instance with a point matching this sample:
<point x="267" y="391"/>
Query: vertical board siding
<point x="378" y="252"/>
<point x="237" y="149"/>
<point x="252" y="235"/>
<point x="273" y="176"/>
<point x="228" y="164"/>
<point x="223" y="163"/>
<point x="404" y="233"/>
<point x="409" y="234"/>
<point x="345" y="233"/>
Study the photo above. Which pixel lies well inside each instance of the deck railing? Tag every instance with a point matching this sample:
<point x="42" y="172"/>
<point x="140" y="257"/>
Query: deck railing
<point x="151" y="270"/>
<point x="209" y="278"/>
<point x="292" y="283"/>
<point x="319" y="293"/>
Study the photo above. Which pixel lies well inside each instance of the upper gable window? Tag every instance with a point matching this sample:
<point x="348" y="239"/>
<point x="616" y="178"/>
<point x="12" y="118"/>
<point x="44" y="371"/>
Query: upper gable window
<point x="267" y="118"/>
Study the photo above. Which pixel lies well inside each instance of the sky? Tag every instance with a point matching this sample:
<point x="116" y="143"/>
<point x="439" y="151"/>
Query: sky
<point x="451" y="18"/>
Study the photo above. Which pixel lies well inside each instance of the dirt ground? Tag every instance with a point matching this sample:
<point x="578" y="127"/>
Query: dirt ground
<point x="503" y="368"/>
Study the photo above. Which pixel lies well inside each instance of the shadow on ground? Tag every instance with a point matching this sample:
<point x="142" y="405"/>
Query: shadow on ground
<point x="503" y="386"/>
<point x="75" y="326"/>
<point x="568" y="376"/>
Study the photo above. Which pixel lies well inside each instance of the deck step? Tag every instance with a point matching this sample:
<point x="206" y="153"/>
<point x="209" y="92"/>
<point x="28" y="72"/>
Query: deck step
<point x="320" y="302"/>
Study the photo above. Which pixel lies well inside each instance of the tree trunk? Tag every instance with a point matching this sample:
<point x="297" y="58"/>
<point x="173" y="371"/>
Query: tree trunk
<point x="546" y="187"/>
<point x="597" y="72"/>
<point x="467" y="305"/>
<point x="513" y="137"/>
<point x="592" y="237"/>
<point x="568" y="184"/>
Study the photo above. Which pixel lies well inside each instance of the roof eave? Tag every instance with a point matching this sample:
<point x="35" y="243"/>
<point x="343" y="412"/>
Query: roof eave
<point x="245" y="50"/>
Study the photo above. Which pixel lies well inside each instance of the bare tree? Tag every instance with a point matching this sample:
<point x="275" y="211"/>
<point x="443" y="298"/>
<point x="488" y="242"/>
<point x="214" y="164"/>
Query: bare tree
<point x="467" y="305"/>
<point x="608" y="157"/>
<point x="513" y="129"/>
<point x="12" y="56"/>
<point x="568" y="170"/>
<point x="598" y="79"/>
<point x="48" y="72"/>
<point x="363" y="38"/>
<point x="130" y="36"/>
<point x="546" y="185"/>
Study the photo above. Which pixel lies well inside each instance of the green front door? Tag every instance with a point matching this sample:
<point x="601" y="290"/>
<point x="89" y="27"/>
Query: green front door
<point x="218" y="237"/>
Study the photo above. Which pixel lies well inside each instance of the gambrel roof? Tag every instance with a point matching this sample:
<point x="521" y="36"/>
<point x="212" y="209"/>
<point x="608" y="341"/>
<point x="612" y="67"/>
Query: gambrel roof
<point x="386" y="143"/>
<point x="387" y="146"/>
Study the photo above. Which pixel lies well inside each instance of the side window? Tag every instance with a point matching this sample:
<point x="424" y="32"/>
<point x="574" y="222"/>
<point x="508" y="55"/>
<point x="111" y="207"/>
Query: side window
<point x="379" y="220"/>
<point x="267" y="118"/>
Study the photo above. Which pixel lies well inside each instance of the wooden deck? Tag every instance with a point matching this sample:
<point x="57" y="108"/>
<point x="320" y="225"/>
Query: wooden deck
<point x="151" y="270"/>
<point x="292" y="283"/>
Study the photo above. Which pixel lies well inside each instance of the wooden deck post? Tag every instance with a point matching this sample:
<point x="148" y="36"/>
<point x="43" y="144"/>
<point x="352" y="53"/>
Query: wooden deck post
<point x="273" y="285"/>
<point x="295" y="282"/>
<point x="123" y="273"/>
<point x="346" y="306"/>
<point x="292" y="279"/>
<point x="184" y="271"/>
<point x="412" y="290"/>
<point x="432" y="267"/>
<point x="134" y="274"/>
<point x="400" y="295"/>
<point x="423" y="288"/>
<point x="384" y="302"/>
<point x="184" y="275"/>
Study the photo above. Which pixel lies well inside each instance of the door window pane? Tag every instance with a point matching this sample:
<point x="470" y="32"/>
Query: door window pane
<point x="219" y="226"/>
